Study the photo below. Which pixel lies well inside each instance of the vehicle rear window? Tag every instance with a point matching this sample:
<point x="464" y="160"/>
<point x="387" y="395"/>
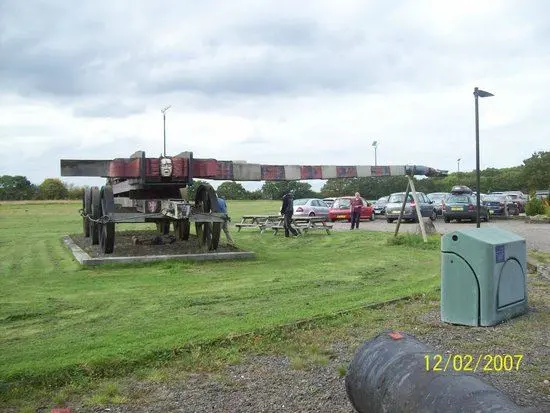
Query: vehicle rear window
<point x="458" y="199"/>
<point x="341" y="203"/>
<point x="436" y="197"/>
<point x="399" y="198"/>
<point x="493" y="198"/>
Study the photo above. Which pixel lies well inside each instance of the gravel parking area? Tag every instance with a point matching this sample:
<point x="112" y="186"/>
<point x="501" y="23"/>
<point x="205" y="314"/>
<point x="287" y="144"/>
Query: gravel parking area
<point x="536" y="235"/>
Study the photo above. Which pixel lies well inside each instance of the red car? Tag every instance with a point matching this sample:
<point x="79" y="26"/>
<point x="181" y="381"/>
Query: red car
<point x="341" y="210"/>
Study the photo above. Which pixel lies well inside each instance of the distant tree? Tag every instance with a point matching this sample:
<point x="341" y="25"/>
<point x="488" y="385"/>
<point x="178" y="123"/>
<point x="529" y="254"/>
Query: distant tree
<point x="536" y="171"/>
<point x="74" y="192"/>
<point x="232" y="190"/>
<point x="255" y="195"/>
<point x="52" y="188"/>
<point x="277" y="189"/>
<point x="334" y="187"/>
<point x="16" y="188"/>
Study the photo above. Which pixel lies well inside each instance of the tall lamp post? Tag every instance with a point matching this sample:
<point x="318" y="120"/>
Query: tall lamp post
<point x="164" y="123"/>
<point x="375" y="145"/>
<point x="478" y="93"/>
<point x="458" y="165"/>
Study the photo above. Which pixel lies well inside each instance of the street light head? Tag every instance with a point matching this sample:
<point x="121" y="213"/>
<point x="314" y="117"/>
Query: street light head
<point x="458" y="160"/>
<point x="481" y="93"/>
<point x="166" y="108"/>
<point x="375" y="143"/>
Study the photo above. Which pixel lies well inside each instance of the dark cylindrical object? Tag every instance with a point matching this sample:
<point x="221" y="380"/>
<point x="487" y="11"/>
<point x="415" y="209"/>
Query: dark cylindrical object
<point x="390" y="375"/>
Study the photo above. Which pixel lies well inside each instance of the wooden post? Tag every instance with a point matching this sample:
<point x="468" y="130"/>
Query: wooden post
<point x="402" y="209"/>
<point x="418" y="212"/>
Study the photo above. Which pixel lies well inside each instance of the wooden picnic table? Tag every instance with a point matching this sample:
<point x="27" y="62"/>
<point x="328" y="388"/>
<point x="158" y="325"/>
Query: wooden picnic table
<point x="304" y="224"/>
<point x="257" y="221"/>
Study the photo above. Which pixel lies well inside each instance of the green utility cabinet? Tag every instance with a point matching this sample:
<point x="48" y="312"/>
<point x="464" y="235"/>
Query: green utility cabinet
<point x="483" y="276"/>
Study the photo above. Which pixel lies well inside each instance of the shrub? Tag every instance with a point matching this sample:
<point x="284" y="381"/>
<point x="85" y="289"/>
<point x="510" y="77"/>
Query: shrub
<point x="535" y="206"/>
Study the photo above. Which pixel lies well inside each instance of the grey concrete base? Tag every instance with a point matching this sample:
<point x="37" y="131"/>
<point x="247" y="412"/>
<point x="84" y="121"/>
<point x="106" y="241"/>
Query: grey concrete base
<point x="84" y="258"/>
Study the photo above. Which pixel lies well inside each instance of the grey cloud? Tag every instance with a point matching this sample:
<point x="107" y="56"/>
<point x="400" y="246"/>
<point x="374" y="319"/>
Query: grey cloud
<point x="109" y="109"/>
<point x="67" y="52"/>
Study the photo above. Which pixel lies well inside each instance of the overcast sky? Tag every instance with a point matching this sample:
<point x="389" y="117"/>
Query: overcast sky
<point x="282" y="82"/>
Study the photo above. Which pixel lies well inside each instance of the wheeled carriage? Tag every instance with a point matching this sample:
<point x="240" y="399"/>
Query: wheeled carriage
<point x="141" y="189"/>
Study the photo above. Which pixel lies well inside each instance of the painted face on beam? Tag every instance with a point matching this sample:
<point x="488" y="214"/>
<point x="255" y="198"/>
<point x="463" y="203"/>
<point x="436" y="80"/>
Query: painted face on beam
<point x="165" y="167"/>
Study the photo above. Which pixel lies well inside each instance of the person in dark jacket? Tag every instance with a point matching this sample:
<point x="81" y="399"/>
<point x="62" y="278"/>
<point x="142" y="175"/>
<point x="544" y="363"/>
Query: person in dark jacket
<point x="223" y="209"/>
<point x="287" y="210"/>
<point x="355" y="210"/>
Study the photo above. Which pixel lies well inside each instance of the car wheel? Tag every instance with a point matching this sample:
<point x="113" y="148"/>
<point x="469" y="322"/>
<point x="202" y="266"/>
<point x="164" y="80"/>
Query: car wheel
<point x="312" y="214"/>
<point x="389" y="220"/>
<point x="447" y="220"/>
<point x="433" y="217"/>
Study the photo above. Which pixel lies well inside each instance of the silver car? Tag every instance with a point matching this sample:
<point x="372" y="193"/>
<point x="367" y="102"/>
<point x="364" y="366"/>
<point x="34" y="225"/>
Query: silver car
<point x="310" y="207"/>
<point x="393" y="207"/>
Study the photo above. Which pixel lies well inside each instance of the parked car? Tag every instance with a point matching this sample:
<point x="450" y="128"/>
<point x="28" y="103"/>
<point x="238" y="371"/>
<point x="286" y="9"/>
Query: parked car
<point x="438" y="199"/>
<point x="461" y="189"/>
<point x="329" y="201"/>
<point x="341" y="210"/>
<point x="500" y="205"/>
<point x="380" y="205"/>
<point x="393" y="207"/>
<point x="310" y="207"/>
<point x="463" y="206"/>
<point x="542" y="194"/>
<point x="519" y="199"/>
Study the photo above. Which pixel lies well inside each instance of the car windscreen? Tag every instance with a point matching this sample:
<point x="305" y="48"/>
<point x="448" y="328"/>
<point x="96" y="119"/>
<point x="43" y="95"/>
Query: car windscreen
<point x="300" y="201"/>
<point x="513" y="196"/>
<point x="341" y="204"/>
<point x="459" y="199"/>
<point x="400" y="197"/>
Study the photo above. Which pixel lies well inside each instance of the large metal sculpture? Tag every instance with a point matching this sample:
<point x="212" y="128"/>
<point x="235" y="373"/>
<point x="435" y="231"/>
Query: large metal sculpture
<point x="141" y="189"/>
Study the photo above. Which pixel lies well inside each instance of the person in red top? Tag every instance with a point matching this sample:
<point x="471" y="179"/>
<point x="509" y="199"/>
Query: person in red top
<point x="355" y="210"/>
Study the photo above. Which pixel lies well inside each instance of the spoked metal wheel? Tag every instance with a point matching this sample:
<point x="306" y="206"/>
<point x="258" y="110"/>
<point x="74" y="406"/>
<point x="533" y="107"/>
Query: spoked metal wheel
<point x="87" y="209"/>
<point x="95" y="214"/>
<point x="107" y="229"/>
<point x="181" y="228"/>
<point x="208" y="233"/>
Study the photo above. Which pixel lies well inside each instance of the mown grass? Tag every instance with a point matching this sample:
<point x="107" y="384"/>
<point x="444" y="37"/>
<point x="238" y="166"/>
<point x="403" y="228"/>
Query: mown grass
<point x="62" y="325"/>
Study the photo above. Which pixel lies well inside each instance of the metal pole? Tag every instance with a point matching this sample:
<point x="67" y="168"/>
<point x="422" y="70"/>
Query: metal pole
<point x="478" y="189"/>
<point x="375" y="163"/>
<point x="164" y="125"/>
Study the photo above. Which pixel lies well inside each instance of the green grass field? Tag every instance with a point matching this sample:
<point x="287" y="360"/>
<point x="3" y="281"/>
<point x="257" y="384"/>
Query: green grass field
<point x="59" y="321"/>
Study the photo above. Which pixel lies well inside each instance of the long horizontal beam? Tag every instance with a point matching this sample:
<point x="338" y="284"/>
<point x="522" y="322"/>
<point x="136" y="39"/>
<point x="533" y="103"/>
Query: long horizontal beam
<point x="235" y="170"/>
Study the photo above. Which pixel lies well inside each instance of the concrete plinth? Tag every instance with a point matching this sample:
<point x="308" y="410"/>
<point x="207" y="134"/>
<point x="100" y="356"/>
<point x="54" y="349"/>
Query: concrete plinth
<point x="85" y="259"/>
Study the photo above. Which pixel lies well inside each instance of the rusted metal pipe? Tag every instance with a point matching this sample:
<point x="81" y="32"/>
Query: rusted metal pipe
<point x="389" y="374"/>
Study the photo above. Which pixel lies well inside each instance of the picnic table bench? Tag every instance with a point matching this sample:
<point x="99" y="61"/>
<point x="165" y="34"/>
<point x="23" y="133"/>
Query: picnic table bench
<point x="304" y="224"/>
<point x="257" y="221"/>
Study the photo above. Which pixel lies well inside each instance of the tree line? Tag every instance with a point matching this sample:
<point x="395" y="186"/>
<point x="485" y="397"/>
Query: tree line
<point x="533" y="174"/>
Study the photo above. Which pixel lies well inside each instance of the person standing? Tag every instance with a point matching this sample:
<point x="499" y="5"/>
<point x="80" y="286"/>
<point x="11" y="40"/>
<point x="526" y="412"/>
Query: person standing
<point x="223" y="209"/>
<point x="287" y="209"/>
<point x="356" y="205"/>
